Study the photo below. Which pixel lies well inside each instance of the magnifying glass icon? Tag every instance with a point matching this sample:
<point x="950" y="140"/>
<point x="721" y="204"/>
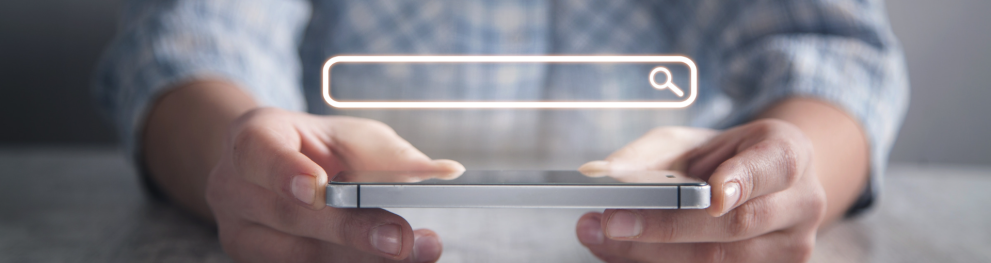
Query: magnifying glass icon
<point x="667" y="84"/>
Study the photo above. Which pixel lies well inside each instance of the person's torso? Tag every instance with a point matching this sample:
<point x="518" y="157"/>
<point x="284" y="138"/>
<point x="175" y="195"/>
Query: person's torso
<point x="495" y="138"/>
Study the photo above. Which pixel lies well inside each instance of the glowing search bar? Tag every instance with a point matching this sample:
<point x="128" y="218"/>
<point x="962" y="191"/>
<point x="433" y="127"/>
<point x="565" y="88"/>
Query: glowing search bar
<point x="518" y="104"/>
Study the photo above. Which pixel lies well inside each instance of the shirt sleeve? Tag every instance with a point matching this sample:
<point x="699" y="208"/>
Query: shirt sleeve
<point x="840" y="51"/>
<point x="252" y="43"/>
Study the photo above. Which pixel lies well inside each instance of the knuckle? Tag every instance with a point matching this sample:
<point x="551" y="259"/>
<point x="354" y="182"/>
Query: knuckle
<point x="370" y="127"/>
<point x="817" y="204"/>
<point x="783" y="161"/>
<point x="232" y="240"/>
<point x="621" y="248"/>
<point x="774" y="128"/>
<point x="668" y="233"/>
<point x="373" y="125"/>
<point x="231" y="248"/>
<point x="287" y="213"/>
<point x="212" y="195"/>
<point x="749" y="174"/>
<point x="745" y="219"/>
<point x="261" y="112"/>
<point x="751" y="169"/>
<point x="243" y="139"/>
<point x="212" y="192"/>
<point x="766" y="126"/>
<point x="404" y="151"/>
<point x="253" y="116"/>
<point x="350" y="229"/>
<point x="789" y="161"/>
<point x="802" y="250"/>
<point x="229" y="244"/>
<point x="710" y="252"/>
<point x="219" y="187"/>
<point x="786" y="141"/>
<point x="302" y="250"/>
<point x="663" y="229"/>
<point x="772" y="124"/>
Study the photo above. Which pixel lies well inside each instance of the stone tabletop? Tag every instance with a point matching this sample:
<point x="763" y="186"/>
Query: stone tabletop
<point x="85" y="205"/>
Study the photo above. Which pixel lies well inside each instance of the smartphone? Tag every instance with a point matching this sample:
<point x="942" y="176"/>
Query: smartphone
<point x="517" y="189"/>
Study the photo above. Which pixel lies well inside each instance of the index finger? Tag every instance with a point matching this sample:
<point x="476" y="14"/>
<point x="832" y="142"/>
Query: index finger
<point x="758" y="217"/>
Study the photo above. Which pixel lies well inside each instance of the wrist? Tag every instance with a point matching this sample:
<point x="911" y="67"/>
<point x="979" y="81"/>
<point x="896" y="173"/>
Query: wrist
<point x="183" y="137"/>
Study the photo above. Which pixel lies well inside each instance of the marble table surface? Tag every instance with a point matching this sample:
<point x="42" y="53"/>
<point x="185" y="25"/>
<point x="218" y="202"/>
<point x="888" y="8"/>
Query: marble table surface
<point x="83" y="204"/>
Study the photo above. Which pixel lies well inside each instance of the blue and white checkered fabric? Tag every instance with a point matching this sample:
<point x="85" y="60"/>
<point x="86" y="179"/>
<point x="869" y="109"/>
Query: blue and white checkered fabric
<point x="750" y="55"/>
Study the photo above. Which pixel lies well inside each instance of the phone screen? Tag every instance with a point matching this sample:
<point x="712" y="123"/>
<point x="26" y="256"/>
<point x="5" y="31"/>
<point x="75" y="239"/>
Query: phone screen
<point x="517" y="177"/>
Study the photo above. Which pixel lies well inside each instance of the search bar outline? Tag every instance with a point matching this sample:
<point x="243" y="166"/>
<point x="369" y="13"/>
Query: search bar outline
<point x="509" y="104"/>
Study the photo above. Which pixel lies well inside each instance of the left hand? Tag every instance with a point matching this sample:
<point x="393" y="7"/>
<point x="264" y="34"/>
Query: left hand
<point x="767" y="202"/>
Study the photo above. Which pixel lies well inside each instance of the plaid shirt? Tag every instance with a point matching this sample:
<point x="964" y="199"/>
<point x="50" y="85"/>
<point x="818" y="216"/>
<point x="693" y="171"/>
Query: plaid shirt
<point x="750" y="54"/>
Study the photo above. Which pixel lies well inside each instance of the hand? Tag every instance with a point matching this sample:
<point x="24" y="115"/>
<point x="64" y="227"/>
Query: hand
<point x="267" y="191"/>
<point x="767" y="202"/>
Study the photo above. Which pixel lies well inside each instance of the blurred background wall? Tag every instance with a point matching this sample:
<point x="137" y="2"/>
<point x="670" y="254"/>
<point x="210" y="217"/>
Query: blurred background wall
<point x="948" y="47"/>
<point x="48" y="49"/>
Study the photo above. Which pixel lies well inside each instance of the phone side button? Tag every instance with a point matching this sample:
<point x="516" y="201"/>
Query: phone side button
<point x="342" y="195"/>
<point x="695" y="197"/>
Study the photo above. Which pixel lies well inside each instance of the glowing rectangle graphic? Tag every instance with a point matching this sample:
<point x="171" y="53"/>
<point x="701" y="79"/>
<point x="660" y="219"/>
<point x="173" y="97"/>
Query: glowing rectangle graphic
<point x="520" y="104"/>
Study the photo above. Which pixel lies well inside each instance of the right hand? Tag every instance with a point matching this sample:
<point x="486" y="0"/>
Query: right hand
<point x="267" y="191"/>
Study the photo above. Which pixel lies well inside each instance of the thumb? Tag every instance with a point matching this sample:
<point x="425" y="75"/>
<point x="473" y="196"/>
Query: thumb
<point x="373" y="146"/>
<point x="265" y="151"/>
<point x="427" y="246"/>
<point x="660" y="149"/>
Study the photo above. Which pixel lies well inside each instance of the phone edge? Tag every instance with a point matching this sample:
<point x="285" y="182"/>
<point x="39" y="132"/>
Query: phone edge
<point x="348" y="195"/>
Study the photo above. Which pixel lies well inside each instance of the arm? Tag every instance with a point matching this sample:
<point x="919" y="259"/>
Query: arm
<point x="776" y="181"/>
<point x="167" y="45"/>
<point x="259" y="174"/>
<point x="818" y="91"/>
<point x="842" y="53"/>
<point x="184" y="81"/>
<point x="162" y="45"/>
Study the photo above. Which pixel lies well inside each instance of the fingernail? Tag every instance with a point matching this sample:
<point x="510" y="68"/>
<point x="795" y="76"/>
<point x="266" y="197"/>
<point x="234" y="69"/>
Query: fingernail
<point x="590" y="231"/>
<point x="624" y="223"/>
<point x="387" y="238"/>
<point x="426" y="248"/>
<point x="731" y="194"/>
<point x="302" y="188"/>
